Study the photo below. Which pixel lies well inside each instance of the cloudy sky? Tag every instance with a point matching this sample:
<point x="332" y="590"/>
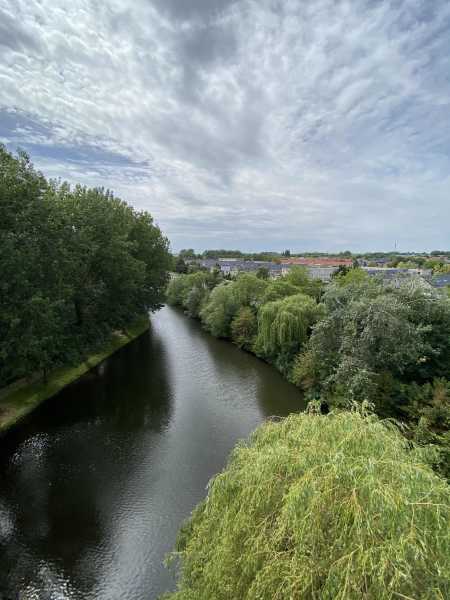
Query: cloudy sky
<point x="257" y="124"/>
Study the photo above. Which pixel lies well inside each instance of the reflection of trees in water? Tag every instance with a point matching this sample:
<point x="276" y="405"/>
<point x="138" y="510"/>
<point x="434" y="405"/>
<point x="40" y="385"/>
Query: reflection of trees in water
<point x="274" y="394"/>
<point x="63" y="475"/>
<point x="135" y="388"/>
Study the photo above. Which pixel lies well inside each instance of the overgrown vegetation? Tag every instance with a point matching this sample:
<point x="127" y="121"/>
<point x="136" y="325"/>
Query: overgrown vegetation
<point x="76" y="264"/>
<point x="320" y="507"/>
<point x="355" y="340"/>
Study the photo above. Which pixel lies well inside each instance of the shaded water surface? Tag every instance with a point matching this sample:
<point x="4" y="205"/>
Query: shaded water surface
<point x="95" y="485"/>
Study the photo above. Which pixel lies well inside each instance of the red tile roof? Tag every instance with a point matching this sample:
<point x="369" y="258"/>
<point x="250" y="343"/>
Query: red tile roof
<point x="318" y="262"/>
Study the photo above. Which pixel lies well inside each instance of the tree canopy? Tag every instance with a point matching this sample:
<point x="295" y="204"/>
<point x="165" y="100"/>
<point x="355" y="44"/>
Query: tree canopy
<point x="76" y="264"/>
<point x="336" y="506"/>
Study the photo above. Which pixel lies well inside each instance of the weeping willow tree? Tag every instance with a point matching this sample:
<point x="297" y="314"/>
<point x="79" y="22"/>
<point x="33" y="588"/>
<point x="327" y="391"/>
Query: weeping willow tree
<point x="320" y="507"/>
<point x="283" y="325"/>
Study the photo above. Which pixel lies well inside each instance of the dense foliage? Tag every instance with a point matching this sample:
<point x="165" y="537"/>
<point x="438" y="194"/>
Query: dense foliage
<point x="336" y="506"/>
<point x="356" y="340"/>
<point x="271" y="318"/>
<point x="75" y="263"/>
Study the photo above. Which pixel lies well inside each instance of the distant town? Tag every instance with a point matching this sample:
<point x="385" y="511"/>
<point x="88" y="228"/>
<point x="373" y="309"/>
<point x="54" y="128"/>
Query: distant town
<point x="432" y="269"/>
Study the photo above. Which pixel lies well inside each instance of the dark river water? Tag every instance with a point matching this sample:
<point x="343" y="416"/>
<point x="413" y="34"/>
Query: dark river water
<point x="94" y="486"/>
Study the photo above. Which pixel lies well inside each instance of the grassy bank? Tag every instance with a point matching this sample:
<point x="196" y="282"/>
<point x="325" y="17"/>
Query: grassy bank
<point x="19" y="399"/>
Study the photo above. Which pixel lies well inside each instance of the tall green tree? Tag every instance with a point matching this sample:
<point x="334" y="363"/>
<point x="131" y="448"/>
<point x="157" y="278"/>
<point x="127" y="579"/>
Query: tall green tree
<point x="76" y="264"/>
<point x="220" y="309"/>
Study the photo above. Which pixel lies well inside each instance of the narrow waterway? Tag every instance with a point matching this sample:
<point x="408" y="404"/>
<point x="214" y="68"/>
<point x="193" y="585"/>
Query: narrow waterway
<point x="94" y="486"/>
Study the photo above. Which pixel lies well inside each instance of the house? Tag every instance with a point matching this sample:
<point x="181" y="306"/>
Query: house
<point x="441" y="280"/>
<point x="318" y="261"/>
<point x="396" y="277"/>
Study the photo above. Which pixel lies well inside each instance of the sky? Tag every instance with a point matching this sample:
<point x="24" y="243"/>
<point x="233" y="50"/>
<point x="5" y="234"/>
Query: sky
<point x="251" y="124"/>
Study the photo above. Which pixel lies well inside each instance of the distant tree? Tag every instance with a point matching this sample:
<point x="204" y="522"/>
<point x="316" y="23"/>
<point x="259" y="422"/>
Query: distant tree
<point x="286" y="253"/>
<point x="187" y="253"/>
<point x="262" y="273"/>
<point x="181" y="266"/>
<point x="222" y="254"/>
<point x="299" y="276"/>
<point x="340" y="271"/>
<point x="346" y="276"/>
<point x="408" y="264"/>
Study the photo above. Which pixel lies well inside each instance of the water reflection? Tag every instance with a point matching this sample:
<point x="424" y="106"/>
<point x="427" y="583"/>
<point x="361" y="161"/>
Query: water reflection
<point x="93" y="488"/>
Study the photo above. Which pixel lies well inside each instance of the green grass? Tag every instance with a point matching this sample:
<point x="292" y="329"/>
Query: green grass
<point x="21" y="398"/>
<point x="335" y="507"/>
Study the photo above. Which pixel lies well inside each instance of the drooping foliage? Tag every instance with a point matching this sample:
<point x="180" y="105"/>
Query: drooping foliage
<point x="283" y="325"/>
<point x="336" y="506"/>
<point x="75" y="264"/>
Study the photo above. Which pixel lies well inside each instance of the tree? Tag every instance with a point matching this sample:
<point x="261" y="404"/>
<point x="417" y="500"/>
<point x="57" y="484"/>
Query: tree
<point x="248" y="289"/>
<point x="177" y="290"/>
<point x="371" y="330"/>
<point x="262" y="273"/>
<point x="299" y="277"/>
<point x="190" y="291"/>
<point x="181" y="266"/>
<point x="336" y="506"/>
<point x="220" y="309"/>
<point x="286" y="253"/>
<point x="195" y="300"/>
<point x="340" y="271"/>
<point x="187" y="253"/>
<point x="283" y="327"/>
<point x="244" y="327"/>
<point x="76" y="264"/>
<point x="278" y="289"/>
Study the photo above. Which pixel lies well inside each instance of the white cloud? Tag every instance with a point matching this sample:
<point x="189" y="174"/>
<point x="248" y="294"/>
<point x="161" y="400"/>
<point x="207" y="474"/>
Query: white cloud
<point x="252" y="124"/>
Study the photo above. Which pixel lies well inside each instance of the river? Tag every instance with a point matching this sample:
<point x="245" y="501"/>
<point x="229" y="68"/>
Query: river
<point x="95" y="484"/>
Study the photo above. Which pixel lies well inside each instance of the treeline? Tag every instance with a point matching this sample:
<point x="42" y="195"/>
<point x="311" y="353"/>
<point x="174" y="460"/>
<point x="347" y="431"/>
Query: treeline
<point x="189" y="253"/>
<point x="356" y="341"/>
<point x="75" y="264"/>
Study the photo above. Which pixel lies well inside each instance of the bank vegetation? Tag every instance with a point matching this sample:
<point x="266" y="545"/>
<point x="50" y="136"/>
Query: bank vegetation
<point x="78" y="267"/>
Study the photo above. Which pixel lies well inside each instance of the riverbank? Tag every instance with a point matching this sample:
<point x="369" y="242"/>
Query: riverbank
<point x="19" y="399"/>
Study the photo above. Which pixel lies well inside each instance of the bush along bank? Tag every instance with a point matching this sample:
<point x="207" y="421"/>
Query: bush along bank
<point x="358" y="340"/>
